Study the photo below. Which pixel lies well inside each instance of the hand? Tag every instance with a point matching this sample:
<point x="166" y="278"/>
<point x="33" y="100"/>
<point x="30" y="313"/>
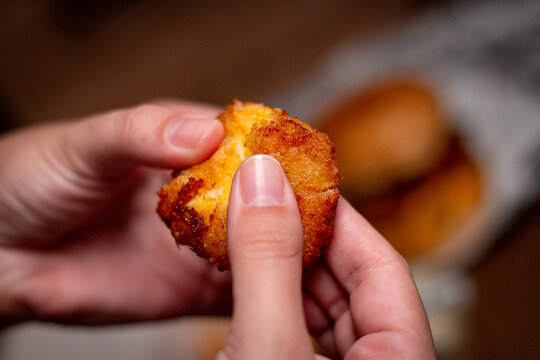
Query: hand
<point x="360" y="301"/>
<point x="79" y="237"/>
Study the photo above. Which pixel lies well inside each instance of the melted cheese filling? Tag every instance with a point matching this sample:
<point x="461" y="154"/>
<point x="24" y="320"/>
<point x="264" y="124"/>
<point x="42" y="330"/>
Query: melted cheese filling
<point x="226" y="160"/>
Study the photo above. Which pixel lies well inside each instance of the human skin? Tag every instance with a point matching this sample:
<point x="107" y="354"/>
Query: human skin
<point x="80" y="243"/>
<point x="360" y="301"/>
<point x="79" y="238"/>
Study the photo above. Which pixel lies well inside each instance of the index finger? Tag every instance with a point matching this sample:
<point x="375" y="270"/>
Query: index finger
<point x="384" y="302"/>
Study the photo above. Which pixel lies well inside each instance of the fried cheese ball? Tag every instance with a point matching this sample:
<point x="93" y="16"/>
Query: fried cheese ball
<point x="426" y="213"/>
<point x="389" y="134"/>
<point x="194" y="204"/>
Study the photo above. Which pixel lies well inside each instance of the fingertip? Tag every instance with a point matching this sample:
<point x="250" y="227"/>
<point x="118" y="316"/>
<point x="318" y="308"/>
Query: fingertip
<point x="265" y="240"/>
<point x="211" y="140"/>
<point x="263" y="218"/>
<point x="265" y="247"/>
<point x="191" y="139"/>
<point x="147" y="135"/>
<point x="351" y="228"/>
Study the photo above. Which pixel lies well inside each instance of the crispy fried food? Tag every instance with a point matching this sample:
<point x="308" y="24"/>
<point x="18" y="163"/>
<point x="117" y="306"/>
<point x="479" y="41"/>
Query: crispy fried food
<point x="387" y="135"/>
<point x="194" y="204"/>
<point x="418" y="216"/>
<point x="404" y="169"/>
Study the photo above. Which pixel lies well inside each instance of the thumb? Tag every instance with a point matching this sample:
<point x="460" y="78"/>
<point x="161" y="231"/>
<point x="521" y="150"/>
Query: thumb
<point x="72" y="168"/>
<point x="169" y="135"/>
<point x="265" y="250"/>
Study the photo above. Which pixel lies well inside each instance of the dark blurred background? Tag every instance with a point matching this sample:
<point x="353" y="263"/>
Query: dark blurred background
<point x="68" y="58"/>
<point x="64" y="58"/>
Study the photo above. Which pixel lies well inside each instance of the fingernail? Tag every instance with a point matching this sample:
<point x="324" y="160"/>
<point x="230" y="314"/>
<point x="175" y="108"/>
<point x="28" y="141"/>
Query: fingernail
<point x="261" y="181"/>
<point x="190" y="132"/>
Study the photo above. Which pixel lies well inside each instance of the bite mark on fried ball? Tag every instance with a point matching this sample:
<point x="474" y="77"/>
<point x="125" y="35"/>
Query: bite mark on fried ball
<point x="194" y="204"/>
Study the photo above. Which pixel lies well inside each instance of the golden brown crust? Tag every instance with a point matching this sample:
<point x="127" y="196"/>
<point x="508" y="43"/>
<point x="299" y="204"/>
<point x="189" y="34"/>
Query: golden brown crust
<point x="309" y="164"/>
<point x="194" y="205"/>
<point x="418" y="216"/>
<point x="401" y="132"/>
<point x="404" y="168"/>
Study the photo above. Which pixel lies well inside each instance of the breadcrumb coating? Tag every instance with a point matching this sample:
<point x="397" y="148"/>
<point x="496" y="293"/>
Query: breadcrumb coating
<point x="401" y="131"/>
<point x="194" y="204"/>
<point x="418" y="216"/>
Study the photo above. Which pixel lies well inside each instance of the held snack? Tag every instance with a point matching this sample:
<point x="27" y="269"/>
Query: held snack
<point x="405" y="168"/>
<point x="194" y="204"/>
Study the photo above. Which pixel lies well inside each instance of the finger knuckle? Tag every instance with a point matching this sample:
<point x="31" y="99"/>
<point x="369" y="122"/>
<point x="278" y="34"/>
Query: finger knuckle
<point x="271" y="244"/>
<point x="144" y="112"/>
<point x="128" y="124"/>
<point x="403" y="264"/>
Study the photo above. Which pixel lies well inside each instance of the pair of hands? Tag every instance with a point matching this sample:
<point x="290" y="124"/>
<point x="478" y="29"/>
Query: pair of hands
<point x="80" y="243"/>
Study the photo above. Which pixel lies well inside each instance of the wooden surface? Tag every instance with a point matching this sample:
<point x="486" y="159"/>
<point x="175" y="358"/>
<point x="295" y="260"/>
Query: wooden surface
<point x="61" y="59"/>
